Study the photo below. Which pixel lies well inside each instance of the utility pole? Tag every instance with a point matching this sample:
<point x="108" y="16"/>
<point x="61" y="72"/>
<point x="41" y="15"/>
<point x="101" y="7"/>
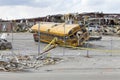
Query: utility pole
<point x="39" y="38"/>
<point x="64" y="40"/>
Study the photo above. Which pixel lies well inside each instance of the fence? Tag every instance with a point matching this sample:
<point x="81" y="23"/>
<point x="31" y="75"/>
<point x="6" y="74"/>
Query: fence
<point x="23" y="43"/>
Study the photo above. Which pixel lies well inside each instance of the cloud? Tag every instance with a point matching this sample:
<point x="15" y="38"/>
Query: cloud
<point x="95" y="2"/>
<point x="36" y="8"/>
<point x="14" y="2"/>
<point x="17" y="12"/>
<point x="107" y="6"/>
<point x="30" y="3"/>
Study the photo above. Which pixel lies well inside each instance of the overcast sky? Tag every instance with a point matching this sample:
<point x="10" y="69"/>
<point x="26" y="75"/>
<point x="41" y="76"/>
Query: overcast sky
<point x="16" y="9"/>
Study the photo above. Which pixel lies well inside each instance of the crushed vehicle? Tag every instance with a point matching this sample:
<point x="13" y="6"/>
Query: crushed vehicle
<point x="67" y="34"/>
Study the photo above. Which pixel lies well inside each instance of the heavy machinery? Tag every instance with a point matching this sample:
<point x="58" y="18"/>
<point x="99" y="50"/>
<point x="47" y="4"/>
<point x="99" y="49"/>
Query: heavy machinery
<point x="67" y="34"/>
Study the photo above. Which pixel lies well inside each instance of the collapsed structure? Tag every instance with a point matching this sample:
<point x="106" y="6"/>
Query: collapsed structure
<point x="54" y="33"/>
<point x="107" y="22"/>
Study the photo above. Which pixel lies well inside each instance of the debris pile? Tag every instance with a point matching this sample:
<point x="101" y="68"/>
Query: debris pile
<point x="18" y="63"/>
<point x="5" y="45"/>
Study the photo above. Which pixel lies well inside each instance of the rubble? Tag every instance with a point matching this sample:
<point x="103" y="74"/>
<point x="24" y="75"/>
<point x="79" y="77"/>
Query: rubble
<point x="107" y="26"/>
<point x="18" y="63"/>
<point x="4" y="44"/>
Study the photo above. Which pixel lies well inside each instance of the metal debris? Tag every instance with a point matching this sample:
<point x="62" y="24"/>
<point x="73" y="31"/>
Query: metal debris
<point x="18" y="63"/>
